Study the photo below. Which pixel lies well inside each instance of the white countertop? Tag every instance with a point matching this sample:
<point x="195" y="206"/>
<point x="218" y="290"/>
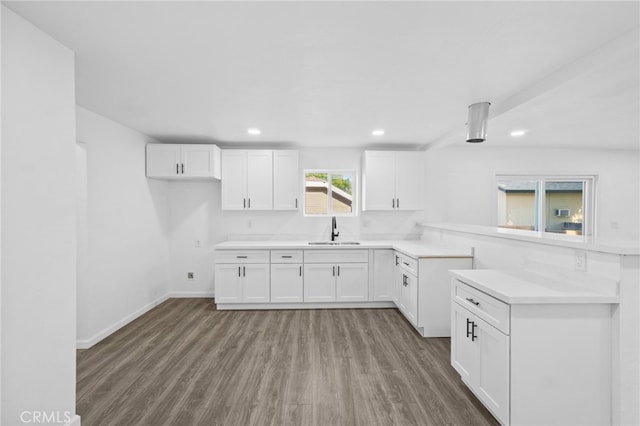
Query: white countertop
<point x="413" y="248"/>
<point x="520" y="287"/>
<point x="623" y="248"/>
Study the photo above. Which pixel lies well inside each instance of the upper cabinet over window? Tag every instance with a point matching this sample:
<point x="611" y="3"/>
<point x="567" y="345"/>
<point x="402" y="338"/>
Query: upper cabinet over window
<point x="392" y="180"/>
<point x="177" y="161"/>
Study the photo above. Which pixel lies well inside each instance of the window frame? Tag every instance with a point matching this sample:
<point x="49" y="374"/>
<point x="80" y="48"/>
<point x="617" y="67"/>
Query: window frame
<point x="589" y="182"/>
<point x="330" y="173"/>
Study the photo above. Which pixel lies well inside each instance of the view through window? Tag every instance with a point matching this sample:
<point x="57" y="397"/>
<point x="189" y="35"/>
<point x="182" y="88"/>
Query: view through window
<point x="557" y="205"/>
<point x="329" y="193"/>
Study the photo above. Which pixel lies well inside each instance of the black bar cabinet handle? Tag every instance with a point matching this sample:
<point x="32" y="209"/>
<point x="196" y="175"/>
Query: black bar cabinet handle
<point x="177" y="169"/>
<point x="472" y="301"/>
<point x="473" y="331"/>
<point x="397" y="203"/>
<point x="182" y="168"/>
<point x="238" y="271"/>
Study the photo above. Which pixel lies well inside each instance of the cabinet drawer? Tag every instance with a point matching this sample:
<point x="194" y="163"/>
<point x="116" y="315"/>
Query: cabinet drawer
<point x="336" y="256"/>
<point x="286" y="256"/>
<point x="242" y="256"/>
<point x="492" y="310"/>
<point x="408" y="263"/>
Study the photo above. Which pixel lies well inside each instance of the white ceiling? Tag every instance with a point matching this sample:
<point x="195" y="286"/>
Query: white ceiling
<point x="328" y="73"/>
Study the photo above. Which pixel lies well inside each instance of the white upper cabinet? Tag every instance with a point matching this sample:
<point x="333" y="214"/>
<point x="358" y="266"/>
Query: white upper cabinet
<point x="392" y="180"/>
<point x="247" y="179"/>
<point x="260" y="180"/>
<point x="286" y="180"/>
<point x="178" y="161"/>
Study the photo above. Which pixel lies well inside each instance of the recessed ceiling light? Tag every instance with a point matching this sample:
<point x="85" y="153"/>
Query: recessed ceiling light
<point x="518" y="133"/>
<point x="378" y="132"/>
<point x="253" y="131"/>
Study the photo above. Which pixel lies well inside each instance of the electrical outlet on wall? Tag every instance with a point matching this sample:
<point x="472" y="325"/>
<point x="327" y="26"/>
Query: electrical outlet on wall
<point x="581" y="261"/>
<point x="191" y="276"/>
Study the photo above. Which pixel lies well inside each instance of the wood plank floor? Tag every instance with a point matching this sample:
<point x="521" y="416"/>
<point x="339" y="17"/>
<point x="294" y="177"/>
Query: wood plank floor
<point x="185" y="363"/>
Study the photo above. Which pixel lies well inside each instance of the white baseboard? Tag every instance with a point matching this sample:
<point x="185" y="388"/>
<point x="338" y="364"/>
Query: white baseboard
<point x="86" y="344"/>
<point x="75" y="421"/>
<point x="188" y="294"/>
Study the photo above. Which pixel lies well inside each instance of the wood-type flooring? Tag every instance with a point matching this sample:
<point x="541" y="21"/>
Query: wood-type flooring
<point x="186" y="363"/>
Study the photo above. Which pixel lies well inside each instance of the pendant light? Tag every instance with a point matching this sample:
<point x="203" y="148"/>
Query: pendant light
<point x="477" y="122"/>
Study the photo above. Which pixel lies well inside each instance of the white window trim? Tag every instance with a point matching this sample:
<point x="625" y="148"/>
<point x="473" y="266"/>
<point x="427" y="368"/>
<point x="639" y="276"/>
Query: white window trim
<point x="329" y="192"/>
<point x="588" y="204"/>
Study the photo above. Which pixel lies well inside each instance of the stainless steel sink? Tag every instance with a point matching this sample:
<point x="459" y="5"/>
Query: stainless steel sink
<point x="334" y="243"/>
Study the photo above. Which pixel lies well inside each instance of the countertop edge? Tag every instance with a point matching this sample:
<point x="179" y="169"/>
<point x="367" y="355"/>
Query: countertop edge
<point x="582" y="298"/>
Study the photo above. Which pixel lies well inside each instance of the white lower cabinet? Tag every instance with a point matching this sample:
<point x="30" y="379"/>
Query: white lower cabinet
<point x="383" y="275"/>
<point x="286" y="283"/>
<point x="480" y="354"/>
<point x="533" y="362"/>
<point x="319" y="282"/>
<point x="242" y="283"/>
<point x="341" y="282"/>
<point x="228" y="283"/>
<point x="407" y="294"/>
<point x="421" y="290"/>
<point x="352" y="282"/>
<point x="242" y="277"/>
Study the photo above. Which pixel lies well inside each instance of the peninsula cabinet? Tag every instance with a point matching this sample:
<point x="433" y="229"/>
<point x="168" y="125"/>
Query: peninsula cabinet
<point x="242" y="277"/>
<point x="537" y="355"/>
<point x="182" y="161"/>
<point x="247" y="179"/>
<point x="392" y="180"/>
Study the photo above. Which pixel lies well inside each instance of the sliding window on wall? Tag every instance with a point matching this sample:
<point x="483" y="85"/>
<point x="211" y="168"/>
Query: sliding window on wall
<point x="554" y="206"/>
<point x="329" y="193"/>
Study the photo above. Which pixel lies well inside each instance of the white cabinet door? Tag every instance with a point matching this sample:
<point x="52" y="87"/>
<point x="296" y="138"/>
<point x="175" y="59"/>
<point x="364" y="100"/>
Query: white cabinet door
<point x="411" y="298"/>
<point x="200" y="161"/>
<point x="397" y="279"/>
<point x="163" y="160"/>
<point x="259" y="180"/>
<point x="286" y="283"/>
<point x="480" y="354"/>
<point x="319" y="282"/>
<point x="255" y="283"/>
<point x="493" y="378"/>
<point x="383" y="268"/>
<point x="408" y="180"/>
<point x="234" y="179"/>
<point x="378" y="180"/>
<point x="286" y="180"/>
<point x="228" y="283"/>
<point x="464" y="352"/>
<point x="352" y="283"/>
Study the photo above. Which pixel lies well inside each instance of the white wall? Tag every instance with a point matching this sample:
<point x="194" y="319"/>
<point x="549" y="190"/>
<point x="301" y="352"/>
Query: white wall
<point x="196" y="215"/>
<point x="127" y="226"/>
<point x="38" y="223"/>
<point x="459" y="182"/>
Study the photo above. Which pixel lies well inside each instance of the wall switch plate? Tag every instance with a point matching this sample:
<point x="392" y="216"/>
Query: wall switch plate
<point x="191" y="275"/>
<point x="581" y="261"/>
